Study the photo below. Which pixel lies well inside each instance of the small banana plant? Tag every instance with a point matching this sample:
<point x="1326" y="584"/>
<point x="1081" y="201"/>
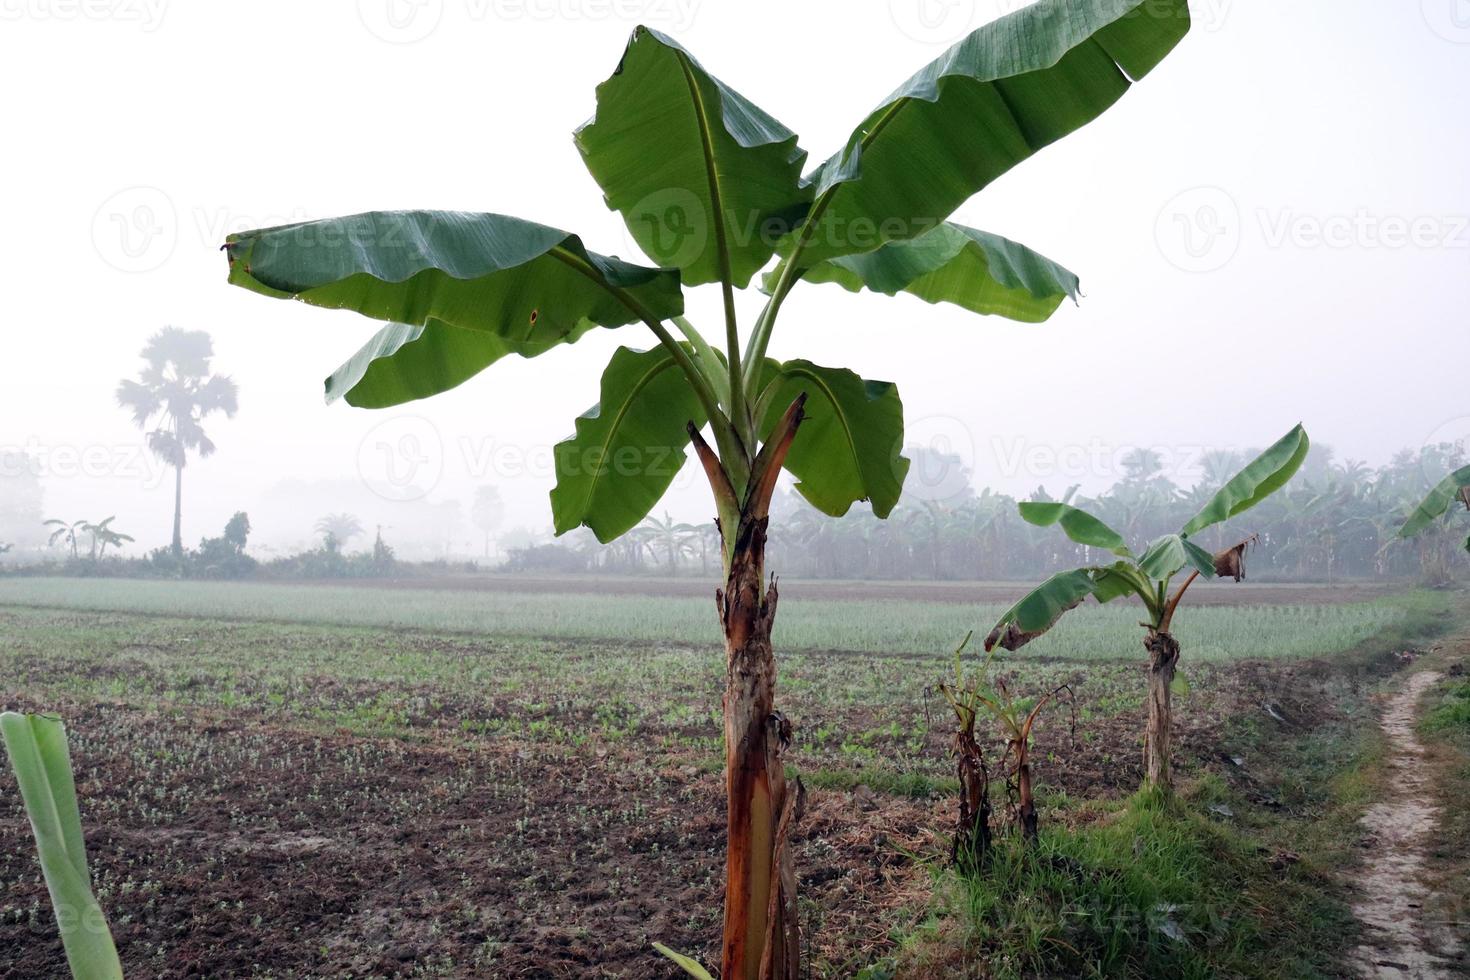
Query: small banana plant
<point x="1148" y="577"/>
<point x="1016" y="718"/>
<point x="66" y="533"/>
<point x="103" y="535"/>
<point x="972" y="839"/>
<point x="37" y="748"/>
<point x="969" y="697"/>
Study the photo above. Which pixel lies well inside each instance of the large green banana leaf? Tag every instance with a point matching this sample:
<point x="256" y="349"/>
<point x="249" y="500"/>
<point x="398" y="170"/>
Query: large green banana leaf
<point x="404" y="362"/>
<point x="523" y="282"/>
<point x="1041" y="608"/>
<point x="1260" y="478"/>
<point x="1005" y="91"/>
<point x="1078" y="525"/>
<point x="37" y="748"/>
<point x="701" y="175"/>
<point x="1171" y="552"/>
<point x="981" y="272"/>
<point x="628" y="447"/>
<point x="849" y="446"/>
<point x="1432" y="507"/>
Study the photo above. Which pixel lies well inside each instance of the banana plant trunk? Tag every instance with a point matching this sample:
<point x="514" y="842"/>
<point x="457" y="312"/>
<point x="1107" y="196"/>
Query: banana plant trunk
<point x="1163" y="656"/>
<point x="1025" y="797"/>
<point x="972" y="837"/>
<point x="762" y="940"/>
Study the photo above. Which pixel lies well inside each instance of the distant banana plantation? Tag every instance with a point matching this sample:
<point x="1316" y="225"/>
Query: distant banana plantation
<point x="1337" y="520"/>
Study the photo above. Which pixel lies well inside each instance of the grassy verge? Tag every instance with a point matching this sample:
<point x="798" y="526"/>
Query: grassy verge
<point x="1444" y="730"/>
<point x="1148" y="888"/>
<point x="1241" y="876"/>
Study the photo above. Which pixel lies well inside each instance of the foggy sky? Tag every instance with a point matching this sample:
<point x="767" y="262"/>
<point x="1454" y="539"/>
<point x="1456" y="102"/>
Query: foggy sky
<point x="1271" y="227"/>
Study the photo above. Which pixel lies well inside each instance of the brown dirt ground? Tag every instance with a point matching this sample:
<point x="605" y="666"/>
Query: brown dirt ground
<point x="230" y="845"/>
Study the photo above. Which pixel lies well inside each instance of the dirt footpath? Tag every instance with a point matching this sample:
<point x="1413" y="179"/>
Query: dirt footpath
<point x="1391" y="884"/>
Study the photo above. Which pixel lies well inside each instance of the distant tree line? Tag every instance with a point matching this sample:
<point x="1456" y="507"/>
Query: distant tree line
<point x="1336" y="520"/>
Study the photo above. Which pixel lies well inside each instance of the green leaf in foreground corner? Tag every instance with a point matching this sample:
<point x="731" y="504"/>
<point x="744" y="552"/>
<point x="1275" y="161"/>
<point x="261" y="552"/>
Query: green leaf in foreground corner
<point x="688" y="964"/>
<point x="523" y="282"/>
<point x="693" y="166"/>
<point x="992" y="100"/>
<point x="973" y="269"/>
<point x="1262" y="477"/>
<point x="37" y="748"/>
<point x="628" y="447"/>
<point x="1078" y="525"/>
<point x="850" y="444"/>
<point x="1432" y="507"/>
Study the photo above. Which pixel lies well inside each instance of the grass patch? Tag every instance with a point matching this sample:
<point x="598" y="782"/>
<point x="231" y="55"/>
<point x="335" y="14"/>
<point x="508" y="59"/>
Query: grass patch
<point x="1147" y="888"/>
<point x="915" y="785"/>
<point x="1450" y="713"/>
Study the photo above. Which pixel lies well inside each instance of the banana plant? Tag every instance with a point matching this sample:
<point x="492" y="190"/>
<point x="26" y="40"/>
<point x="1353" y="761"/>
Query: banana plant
<point x="972" y="837"/>
<point x="103" y="535"/>
<point x="710" y="186"/>
<point x="67" y="533"/>
<point x="1148" y="577"/>
<point x="1454" y="487"/>
<point x="37" y="748"/>
<point x="1016" y="717"/>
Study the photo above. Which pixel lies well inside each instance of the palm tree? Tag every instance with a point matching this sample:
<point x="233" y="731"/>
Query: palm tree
<point x="338" y="529"/>
<point x="173" y="395"/>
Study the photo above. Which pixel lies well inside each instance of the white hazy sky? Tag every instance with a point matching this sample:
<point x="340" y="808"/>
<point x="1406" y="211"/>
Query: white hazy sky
<point x="1271" y="227"/>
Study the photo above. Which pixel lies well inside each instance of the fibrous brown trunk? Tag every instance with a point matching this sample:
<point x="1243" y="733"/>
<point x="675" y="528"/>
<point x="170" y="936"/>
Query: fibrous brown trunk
<point x="972" y="833"/>
<point x="1163" y="656"/>
<point x="1026" y="809"/>
<point x="762" y="940"/>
